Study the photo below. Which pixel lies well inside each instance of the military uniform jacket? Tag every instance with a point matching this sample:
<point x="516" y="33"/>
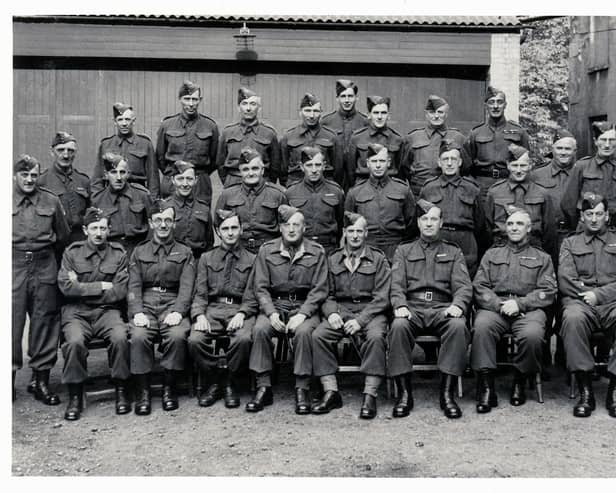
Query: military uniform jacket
<point x="257" y="208"/>
<point x="487" y="145"/>
<point x="127" y="210"/>
<point x="93" y="266"/>
<point x="344" y="124"/>
<point x="170" y="266"/>
<point x="387" y="204"/>
<point x="322" y="205"/>
<point x="368" y="284"/>
<point x="216" y="278"/>
<point x="357" y="154"/>
<point x="260" y="136"/>
<point x="437" y="267"/>
<point x="588" y="263"/>
<point x="537" y="202"/>
<point x="590" y="174"/>
<point x="38" y="221"/>
<point x="304" y="276"/>
<point x="73" y="188"/>
<point x="554" y="179"/>
<point x="194" y="140"/>
<point x="520" y="272"/>
<point x="138" y="151"/>
<point x="320" y="136"/>
<point x="193" y="225"/>
<point x="420" y="152"/>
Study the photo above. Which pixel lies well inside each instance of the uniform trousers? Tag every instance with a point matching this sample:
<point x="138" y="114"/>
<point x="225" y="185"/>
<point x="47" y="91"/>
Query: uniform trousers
<point x="579" y="321"/>
<point x="528" y="331"/>
<point x="199" y="343"/>
<point x="35" y="293"/>
<point x="156" y="307"/>
<point x="80" y="324"/>
<point x="428" y="319"/>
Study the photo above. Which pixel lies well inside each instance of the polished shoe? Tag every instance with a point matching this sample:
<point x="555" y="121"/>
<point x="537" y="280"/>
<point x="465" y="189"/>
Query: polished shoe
<point x="232" y="398"/>
<point x="610" y="400"/>
<point x="212" y="394"/>
<point x="368" y="407"/>
<point x="302" y="401"/>
<point x="586" y="404"/>
<point x="75" y="402"/>
<point x="518" y="389"/>
<point x="143" y="404"/>
<point x="263" y="397"/>
<point x="170" y="398"/>
<point x="405" y="402"/>
<point x="122" y="402"/>
<point x="448" y="404"/>
<point x="487" y="398"/>
<point x="31" y="387"/>
<point x="42" y="392"/>
<point x="330" y="400"/>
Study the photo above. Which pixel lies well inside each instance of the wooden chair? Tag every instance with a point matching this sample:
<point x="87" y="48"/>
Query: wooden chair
<point x="510" y="349"/>
<point x="598" y="344"/>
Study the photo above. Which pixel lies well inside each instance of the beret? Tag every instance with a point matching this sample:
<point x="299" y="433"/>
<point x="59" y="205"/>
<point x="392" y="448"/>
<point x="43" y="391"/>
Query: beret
<point x="351" y="218"/>
<point x="120" y="108"/>
<point x="591" y="200"/>
<point x="423" y="206"/>
<point x="221" y="215"/>
<point x="307" y="153"/>
<point x="374" y="149"/>
<point x="562" y="133"/>
<point x="435" y="102"/>
<point x="111" y="160"/>
<point x="516" y="153"/>
<point x="187" y="88"/>
<point x="247" y="154"/>
<point x="160" y="205"/>
<point x="25" y="162"/>
<point x="599" y="128"/>
<point x="344" y="84"/>
<point x="308" y="100"/>
<point x="180" y="167"/>
<point x="448" y="145"/>
<point x="92" y="215"/>
<point x="491" y="92"/>
<point x="244" y="93"/>
<point x="62" y="138"/>
<point x="285" y="212"/>
<point x="372" y="101"/>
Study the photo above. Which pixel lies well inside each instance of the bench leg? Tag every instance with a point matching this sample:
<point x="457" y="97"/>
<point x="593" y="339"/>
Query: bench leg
<point x="460" y="389"/>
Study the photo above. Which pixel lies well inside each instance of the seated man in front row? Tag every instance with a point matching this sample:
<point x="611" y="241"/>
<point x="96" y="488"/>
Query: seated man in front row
<point x="359" y="279"/>
<point x="290" y="286"/>
<point x="587" y="282"/>
<point x="223" y="305"/>
<point x="430" y="293"/>
<point x="513" y="285"/>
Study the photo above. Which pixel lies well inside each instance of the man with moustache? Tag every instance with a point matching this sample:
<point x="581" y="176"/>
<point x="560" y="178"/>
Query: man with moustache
<point x="223" y="306"/>
<point x="248" y="132"/>
<point x="313" y="133"/>
<point x="488" y="143"/>
<point x="290" y="286"/>
<point x="94" y="279"/>
<point x="255" y="201"/>
<point x="125" y="204"/>
<point x="320" y="200"/>
<point x="587" y="283"/>
<point x="359" y="280"/>
<point x="40" y="232"/>
<point x="386" y="202"/>
<point x="135" y="148"/>
<point x="596" y="174"/>
<point x="430" y="293"/>
<point x="160" y="287"/>
<point x="67" y="182"/>
<point x="459" y="200"/>
<point x="188" y="136"/>
<point x="193" y="225"/>
<point x="376" y="132"/>
<point x="346" y="119"/>
<point x="421" y="145"/>
<point x="515" y="282"/>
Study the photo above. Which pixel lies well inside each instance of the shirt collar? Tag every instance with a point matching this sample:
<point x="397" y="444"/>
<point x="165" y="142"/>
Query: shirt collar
<point x="347" y="115"/>
<point x="184" y="201"/>
<point x="94" y="251"/>
<point x="299" y="252"/>
<point x="442" y="130"/>
<point x="600" y="236"/>
<point x="373" y="130"/>
<point x="19" y="196"/>
<point x="518" y="247"/>
<point x="313" y="186"/>
<point x="499" y="124"/>
<point x="379" y="182"/>
<point x="60" y="171"/>
<point x="235" y="250"/>
<point x="185" y="119"/>
<point x="557" y="168"/>
<point x="454" y="180"/>
<point x="304" y="129"/>
<point x="256" y="189"/>
<point x="363" y="254"/>
<point x="524" y="184"/>
<point x="167" y="247"/>
<point x="249" y="127"/>
<point x="129" y="138"/>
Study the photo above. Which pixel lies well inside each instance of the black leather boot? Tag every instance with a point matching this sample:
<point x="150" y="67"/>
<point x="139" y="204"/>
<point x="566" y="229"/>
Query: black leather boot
<point x="330" y="400"/>
<point x="75" y="402"/>
<point x="404" y="404"/>
<point x="487" y="398"/>
<point x="170" y="398"/>
<point x="610" y="400"/>
<point x="447" y="401"/>
<point x="122" y="402"/>
<point x="302" y="401"/>
<point x="586" y="405"/>
<point x="143" y="403"/>
<point x="518" y="389"/>
<point x="368" y="407"/>
<point x="31" y="387"/>
<point x="230" y="394"/>
<point x="263" y="397"/>
<point x="42" y="392"/>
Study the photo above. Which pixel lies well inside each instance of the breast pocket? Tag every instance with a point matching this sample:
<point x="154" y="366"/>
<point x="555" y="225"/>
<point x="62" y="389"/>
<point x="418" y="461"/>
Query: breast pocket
<point x="512" y="136"/>
<point x="137" y="217"/>
<point x="199" y="224"/>
<point x="136" y="161"/>
<point x="363" y="281"/>
<point x="44" y="218"/>
<point x="443" y="266"/>
<point x="415" y="268"/>
<point x="529" y="272"/>
<point x="303" y="270"/>
<point x="176" y="141"/>
<point x="261" y="144"/>
<point x="172" y="271"/>
<point x="267" y="214"/>
<point x="484" y="144"/>
<point x="204" y="142"/>
<point x="240" y="275"/>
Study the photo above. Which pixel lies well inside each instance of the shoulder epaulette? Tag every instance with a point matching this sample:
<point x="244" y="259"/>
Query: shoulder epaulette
<point x="291" y="129"/>
<point x="399" y="180"/>
<point x="270" y="242"/>
<point x="117" y="246"/>
<point x="430" y="180"/>
<point x="376" y="249"/>
<point x="394" y="131"/>
<point x="46" y="190"/>
<point x="454" y="129"/>
<point x="80" y="173"/>
<point x="471" y="180"/>
<point x="515" y="124"/>
<point x="144" y="136"/>
<point x="170" y="116"/>
<point x="362" y="114"/>
<point x="271" y="127"/>
<point x="451" y="244"/>
<point x="585" y="158"/>
<point x="107" y="138"/>
<point x="76" y="244"/>
<point x="359" y="181"/>
<point x="479" y="125"/>
<point x="413" y="130"/>
<point x="499" y="182"/>
<point x="332" y="182"/>
<point x="329" y="114"/>
<point x="359" y="130"/>
<point x="280" y="188"/>
<point x="329" y="129"/>
<point x="139" y="187"/>
<point x="232" y="124"/>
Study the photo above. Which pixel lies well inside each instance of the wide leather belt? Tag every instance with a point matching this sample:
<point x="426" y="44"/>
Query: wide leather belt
<point x="428" y="296"/>
<point x="491" y="171"/>
<point x="228" y="300"/>
<point x="30" y="255"/>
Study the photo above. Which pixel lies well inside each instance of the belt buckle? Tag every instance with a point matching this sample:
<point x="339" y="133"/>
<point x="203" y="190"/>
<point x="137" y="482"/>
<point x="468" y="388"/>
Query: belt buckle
<point x="292" y="297"/>
<point x="228" y="300"/>
<point x="314" y="238"/>
<point x="29" y="256"/>
<point x="356" y="300"/>
<point x="251" y="243"/>
<point x="160" y="289"/>
<point x="428" y="296"/>
<point x="495" y="173"/>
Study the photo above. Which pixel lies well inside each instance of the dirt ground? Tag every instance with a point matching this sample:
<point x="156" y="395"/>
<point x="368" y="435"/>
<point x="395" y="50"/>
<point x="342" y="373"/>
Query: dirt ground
<point x="535" y="440"/>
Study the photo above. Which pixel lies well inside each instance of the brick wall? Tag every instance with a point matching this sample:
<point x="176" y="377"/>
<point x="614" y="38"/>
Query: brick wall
<point x="505" y="70"/>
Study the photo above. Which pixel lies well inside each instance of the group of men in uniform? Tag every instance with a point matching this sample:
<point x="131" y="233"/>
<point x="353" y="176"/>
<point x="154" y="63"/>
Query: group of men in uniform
<point x="341" y="229"/>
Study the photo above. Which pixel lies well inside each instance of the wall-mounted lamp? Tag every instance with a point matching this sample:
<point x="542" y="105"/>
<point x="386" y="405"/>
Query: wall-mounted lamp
<point x="245" y="44"/>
